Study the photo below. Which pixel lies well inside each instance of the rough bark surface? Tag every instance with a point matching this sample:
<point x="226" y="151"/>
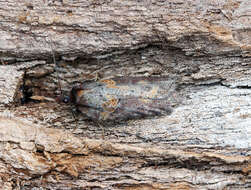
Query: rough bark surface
<point x="204" y="45"/>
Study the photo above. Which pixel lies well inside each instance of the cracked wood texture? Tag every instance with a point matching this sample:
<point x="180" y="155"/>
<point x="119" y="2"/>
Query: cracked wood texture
<point x="204" y="46"/>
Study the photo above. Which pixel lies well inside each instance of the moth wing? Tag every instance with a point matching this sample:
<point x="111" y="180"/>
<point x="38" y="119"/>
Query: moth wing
<point x="130" y="98"/>
<point x="134" y="108"/>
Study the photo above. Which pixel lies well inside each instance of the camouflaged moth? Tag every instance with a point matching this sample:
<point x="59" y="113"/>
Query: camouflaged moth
<point x="122" y="98"/>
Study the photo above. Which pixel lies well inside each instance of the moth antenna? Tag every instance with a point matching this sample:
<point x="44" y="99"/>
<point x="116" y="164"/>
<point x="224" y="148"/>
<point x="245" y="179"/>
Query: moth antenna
<point x="56" y="66"/>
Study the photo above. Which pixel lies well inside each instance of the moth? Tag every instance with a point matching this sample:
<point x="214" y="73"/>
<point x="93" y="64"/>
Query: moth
<point x="122" y="98"/>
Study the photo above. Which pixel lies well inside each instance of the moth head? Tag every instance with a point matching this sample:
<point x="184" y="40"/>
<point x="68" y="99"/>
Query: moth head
<point x="63" y="98"/>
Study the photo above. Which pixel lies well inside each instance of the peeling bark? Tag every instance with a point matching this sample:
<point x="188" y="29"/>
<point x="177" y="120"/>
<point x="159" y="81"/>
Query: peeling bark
<point x="55" y="155"/>
<point x="203" y="144"/>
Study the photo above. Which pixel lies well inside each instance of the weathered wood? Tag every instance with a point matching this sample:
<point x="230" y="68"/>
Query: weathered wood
<point x="53" y="154"/>
<point x="203" y="144"/>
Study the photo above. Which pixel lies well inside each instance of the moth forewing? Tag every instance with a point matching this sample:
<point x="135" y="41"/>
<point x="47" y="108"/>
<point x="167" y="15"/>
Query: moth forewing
<point x="124" y="98"/>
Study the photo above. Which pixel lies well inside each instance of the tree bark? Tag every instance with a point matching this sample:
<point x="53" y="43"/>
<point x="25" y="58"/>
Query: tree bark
<point x="204" y="46"/>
